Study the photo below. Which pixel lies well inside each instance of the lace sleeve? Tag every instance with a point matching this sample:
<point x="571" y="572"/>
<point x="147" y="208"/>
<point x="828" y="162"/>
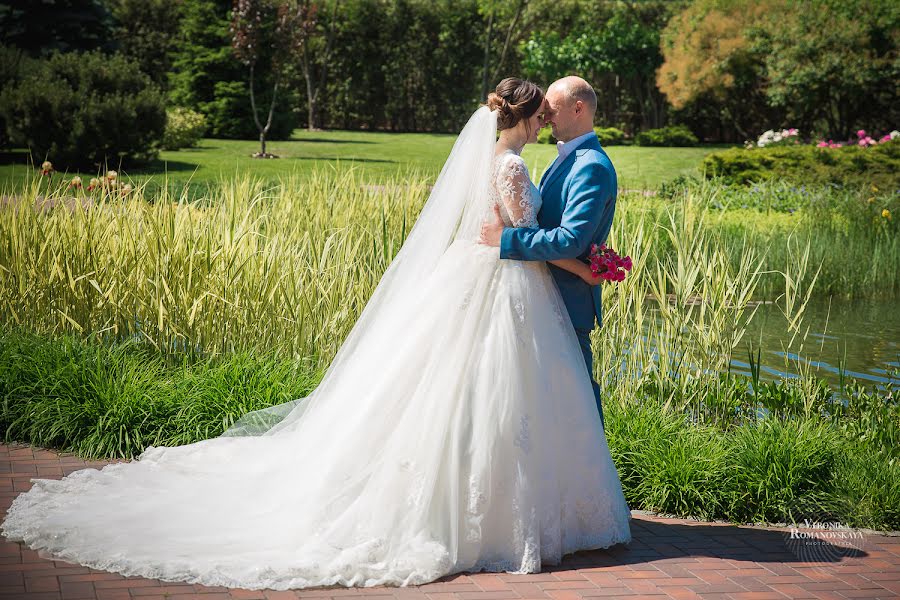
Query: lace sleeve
<point x="514" y="187"/>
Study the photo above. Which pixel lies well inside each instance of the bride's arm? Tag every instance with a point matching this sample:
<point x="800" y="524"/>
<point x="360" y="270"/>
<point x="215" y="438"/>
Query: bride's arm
<point x="573" y="265"/>
<point x="513" y="184"/>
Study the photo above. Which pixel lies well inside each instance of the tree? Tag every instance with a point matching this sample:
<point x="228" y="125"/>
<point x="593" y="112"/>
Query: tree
<point x="40" y="28"/>
<point x="834" y="66"/>
<point x="619" y="58"/>
<point x="146" y="32"/>
<point x="313" y="37"/>
<point x="709" y="54"/>
<point x="823" y="65"/>
<point x="266" y="31"/>
<point x="498" y="11"/>
<point x="207" y="77"/>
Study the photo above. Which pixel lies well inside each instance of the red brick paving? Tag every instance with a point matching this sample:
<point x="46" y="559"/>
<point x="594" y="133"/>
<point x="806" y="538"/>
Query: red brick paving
<point x="667" y="559"/>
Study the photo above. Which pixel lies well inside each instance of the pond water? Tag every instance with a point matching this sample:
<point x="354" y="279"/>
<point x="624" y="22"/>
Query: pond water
<point x="859" y="337"/>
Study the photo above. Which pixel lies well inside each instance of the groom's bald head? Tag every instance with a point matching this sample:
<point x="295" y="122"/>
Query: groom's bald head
<point x="575" y="88"/>
<point x="573" y="104"/>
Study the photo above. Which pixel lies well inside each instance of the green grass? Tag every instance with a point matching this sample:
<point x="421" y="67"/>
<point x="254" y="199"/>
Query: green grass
<point x="112" y="401"/>
<point x="376" y="154"/>
<point x="637" y="167"/>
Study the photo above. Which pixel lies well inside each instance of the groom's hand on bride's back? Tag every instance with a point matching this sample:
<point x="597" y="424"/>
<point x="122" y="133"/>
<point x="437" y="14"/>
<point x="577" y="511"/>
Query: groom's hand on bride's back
<point x="492" y="229"/>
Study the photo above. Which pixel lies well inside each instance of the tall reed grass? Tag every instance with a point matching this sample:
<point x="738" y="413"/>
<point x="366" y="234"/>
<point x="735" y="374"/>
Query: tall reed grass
<point x="282" y="268"/>
<point x="135" y="320"/>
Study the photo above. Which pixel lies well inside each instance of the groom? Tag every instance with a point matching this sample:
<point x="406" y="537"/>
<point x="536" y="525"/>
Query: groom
<point x="579" y="200"/>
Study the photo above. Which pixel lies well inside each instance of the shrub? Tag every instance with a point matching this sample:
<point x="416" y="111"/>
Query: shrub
<point x="609" y="136"/>
<point x="84" y="109"/>
<point x="782" y="470"/>
<point x="673" y="135"/>
<point x="229" y="116"/>
<point x="867" y="482"/>
<point x="13" y="64"/>
<point x="663" y="463"/>
<point x="184" y="128"/>
<point x="545" y="136"/>
<point x="847" y="166"/>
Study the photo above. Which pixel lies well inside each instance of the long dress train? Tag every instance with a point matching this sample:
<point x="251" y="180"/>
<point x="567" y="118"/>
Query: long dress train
<point x="472" y="442"/>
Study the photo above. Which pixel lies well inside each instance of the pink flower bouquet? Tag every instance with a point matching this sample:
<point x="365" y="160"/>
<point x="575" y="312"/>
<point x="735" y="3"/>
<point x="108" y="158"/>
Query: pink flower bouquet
<point x="607" y="264"/>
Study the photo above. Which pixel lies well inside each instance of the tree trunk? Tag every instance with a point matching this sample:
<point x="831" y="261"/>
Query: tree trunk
<point x="310" y="103"/>
<point x="487" y="57"/>
<point x="509" y="32"/>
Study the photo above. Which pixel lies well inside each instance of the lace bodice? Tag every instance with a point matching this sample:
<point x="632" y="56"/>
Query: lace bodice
<point x="514" y="191"/>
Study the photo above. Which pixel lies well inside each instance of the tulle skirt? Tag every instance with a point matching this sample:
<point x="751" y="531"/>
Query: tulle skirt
<point x="470" y="442"/>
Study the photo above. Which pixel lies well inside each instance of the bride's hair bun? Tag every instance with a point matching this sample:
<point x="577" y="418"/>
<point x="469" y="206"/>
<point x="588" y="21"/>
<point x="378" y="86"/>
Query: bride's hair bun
<point x="514" y="99"/>
<point x="497" y="102"/>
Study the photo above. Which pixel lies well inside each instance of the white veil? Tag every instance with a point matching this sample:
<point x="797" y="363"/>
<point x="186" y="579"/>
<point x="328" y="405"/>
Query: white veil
<point x="454" y="211"/>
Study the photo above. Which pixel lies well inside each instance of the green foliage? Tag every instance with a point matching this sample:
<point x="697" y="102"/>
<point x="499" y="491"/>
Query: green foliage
<point x="421" y="70"/>
<point x="545" y="136"/>
<point x="146" y="32"/>
<point x="113" y="400"/>
<point x="184" y="128"/>
<point x="850" y="165"/>
<point x="207" y="77"/>
<point x="672" y="135"/>
<point x="834" y="67"/>
<point x="830" y="67"/>
<point x="866" y="485"/>
<point x="664" y="463"/>
<point x="619" y="58"/>
<point x="84" y="110"/>
<point x="104" y="401"/>
<point x="14" y="64"/>
<point x="782" y="469"/>
<point x="609" y="136"/>
<point x="41" y="28"/>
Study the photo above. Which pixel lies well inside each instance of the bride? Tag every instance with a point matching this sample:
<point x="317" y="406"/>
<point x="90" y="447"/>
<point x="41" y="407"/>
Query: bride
<point x="455" y="430"/>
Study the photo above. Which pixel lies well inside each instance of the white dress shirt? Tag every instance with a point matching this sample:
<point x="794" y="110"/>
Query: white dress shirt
<point x="566" y="148"/>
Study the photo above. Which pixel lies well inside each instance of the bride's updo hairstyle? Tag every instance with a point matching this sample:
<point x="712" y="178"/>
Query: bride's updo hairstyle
<point x="514" y="99"/>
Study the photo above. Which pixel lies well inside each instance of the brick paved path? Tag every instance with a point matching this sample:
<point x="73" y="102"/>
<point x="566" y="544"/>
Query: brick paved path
<point x="667" y="558"/>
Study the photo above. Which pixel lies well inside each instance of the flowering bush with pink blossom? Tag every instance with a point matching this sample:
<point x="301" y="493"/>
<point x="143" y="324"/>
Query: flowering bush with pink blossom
<point x="863" y="140"/>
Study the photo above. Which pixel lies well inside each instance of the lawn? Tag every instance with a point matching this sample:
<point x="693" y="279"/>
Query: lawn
<point x="376" y="153"/>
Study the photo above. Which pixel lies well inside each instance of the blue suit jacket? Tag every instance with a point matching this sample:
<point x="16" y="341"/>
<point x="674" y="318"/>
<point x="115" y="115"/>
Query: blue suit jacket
<point x="579" y="200"/>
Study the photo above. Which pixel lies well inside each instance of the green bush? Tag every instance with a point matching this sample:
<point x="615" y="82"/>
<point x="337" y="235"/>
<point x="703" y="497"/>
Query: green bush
<point x="13" y="64"/>
<point x="545" y="136"/>
<point x="847" y="166"/>
<point x="867" y="486"/>
<point x="609" y="136"/>
<point x="84" y="110"/>
<point x="104" y="401"/>
<point x="782" y="470"/>
<point x="184" y="128"/>
<point x="673" y="135"/>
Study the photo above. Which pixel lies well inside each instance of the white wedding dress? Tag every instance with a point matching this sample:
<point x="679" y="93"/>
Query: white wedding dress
<point x="456" y="430"/>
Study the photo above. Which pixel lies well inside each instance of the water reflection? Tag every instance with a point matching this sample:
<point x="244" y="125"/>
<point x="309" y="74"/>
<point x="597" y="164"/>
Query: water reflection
<point x="859" y="337"/>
